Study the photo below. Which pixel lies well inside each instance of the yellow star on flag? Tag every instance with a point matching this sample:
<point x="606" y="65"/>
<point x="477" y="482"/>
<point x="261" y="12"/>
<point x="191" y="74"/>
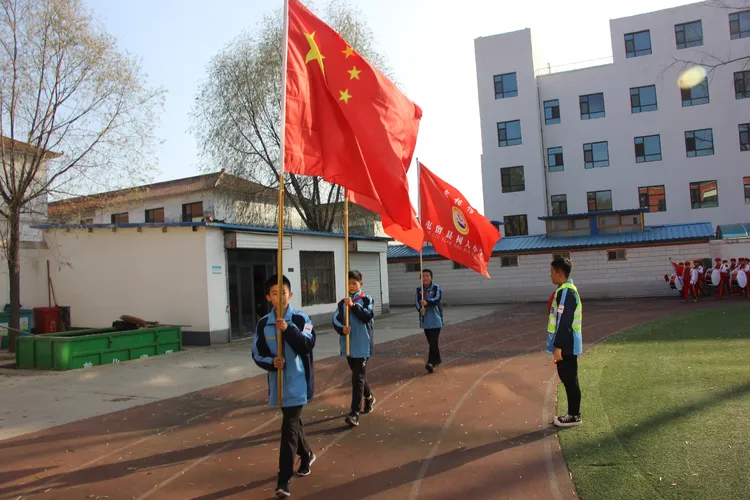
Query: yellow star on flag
<point x="345" y="96"/>
<point x="354" y="73"/>
<point x="349" y="51"/>
<point x="314" y="54"/>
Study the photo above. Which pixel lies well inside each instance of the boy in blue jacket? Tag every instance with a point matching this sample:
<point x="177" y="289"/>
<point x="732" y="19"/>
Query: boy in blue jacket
<point x="361" y="331"/>
<point x="430" y="310"/>
<point x="296" y="361"/>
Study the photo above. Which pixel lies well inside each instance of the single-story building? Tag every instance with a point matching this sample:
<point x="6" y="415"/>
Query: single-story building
<point x="732" y="241"/>
<point x="614" y="255"/>
<point x="210" y="276"/>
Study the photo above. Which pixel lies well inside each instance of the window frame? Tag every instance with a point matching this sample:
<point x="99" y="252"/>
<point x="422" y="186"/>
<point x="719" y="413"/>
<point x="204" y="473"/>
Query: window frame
<point x="118" y="218"/>
<point x="746" y="185"/>
<point x="509" y="141"/>
<point x="596" y="201"/>
<point x="509" y="261"/>
<point x="695" y="140"/>
<point x="648" y="196"/>
<point x="739" y="34"/>
<point x="696" y="186"/>
<point x="594" y="161"/>
<point x="686" y="44"/>
<point x="744" y="130"/>
<point x="523" y="228"/>
<point x="309" y="299"/>
<point x="505" y="94"/>
<point x="152" y="211"/>
<point x="559" y="203"/>
<point x="507" y="173"/>
<point x="552" y="119"/>
<point x="550" y="155"/>
<point x="412" y="267"/>
<point x="636" y="52"/>
<point x="646" y="157"/>
<point x="617" y="253"/>
<point x="742" y="84"/>
<point x="458" y="266"/>
<point x="190" y="217"/>
<point x="585" y="99"/>
<point x="640" y="105"/>
<point x="86" y="222"/>
<point x="695" y="101"/>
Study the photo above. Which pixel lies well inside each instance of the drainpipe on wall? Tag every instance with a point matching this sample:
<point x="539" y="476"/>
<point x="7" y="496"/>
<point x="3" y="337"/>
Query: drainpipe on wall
<point x="540" y="106"/>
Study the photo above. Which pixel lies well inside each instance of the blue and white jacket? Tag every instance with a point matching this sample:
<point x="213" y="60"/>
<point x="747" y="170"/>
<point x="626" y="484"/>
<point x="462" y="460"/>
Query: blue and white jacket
<point x="299" y="341"/>
<point x="362" y="324"/>
<point x="433" y="315"/>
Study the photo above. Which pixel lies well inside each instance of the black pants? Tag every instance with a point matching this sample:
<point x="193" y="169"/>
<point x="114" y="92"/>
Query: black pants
<point x="360" y="386"/>
<point x="293" y="442"/>
<point x="567" y="370"/>
<point x="433" y="339"/>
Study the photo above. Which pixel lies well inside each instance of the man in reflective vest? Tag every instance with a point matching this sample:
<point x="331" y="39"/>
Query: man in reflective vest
<point x="564" y="338"/>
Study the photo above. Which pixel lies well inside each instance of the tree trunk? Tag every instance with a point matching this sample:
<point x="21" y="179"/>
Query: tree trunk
<point x="14" y="273"/>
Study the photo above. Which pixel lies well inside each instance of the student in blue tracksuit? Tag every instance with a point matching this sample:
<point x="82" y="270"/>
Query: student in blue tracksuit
<point x="361" y="332"/>
<point x="430" y="317"/>
<point x="297" y="363"/>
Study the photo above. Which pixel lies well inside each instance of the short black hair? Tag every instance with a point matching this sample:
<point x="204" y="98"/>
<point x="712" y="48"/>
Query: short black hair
<point x="274" y="281"/>
<point x="427" y="271"/>
<point x="355" y="275"/>
<point x="564" y="265"/>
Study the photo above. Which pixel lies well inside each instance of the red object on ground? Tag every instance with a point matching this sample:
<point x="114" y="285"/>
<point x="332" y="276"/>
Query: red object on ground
<point x="47" y="319"/>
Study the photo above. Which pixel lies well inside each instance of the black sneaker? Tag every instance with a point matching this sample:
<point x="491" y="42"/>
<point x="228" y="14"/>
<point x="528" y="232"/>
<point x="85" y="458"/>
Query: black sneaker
<point x="352" y="419"/>
<point x="369" y="405"/>
<point x="567" y="420"/>
<point x="429" y="367"/>
<point x="282" y="491"/>
<point x="304" y="468"/>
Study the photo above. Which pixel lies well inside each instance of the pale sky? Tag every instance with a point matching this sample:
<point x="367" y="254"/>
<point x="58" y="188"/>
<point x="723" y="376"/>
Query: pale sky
<point x="429" y="44"/>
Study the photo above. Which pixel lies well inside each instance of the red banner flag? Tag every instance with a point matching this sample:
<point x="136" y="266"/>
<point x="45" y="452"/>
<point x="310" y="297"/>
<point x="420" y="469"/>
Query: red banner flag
<point x="455" y="229"/>
<point x="345" y="121"/>
<point x="678" y="269"/>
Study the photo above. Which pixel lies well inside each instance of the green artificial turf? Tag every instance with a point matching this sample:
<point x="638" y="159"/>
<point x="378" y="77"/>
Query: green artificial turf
<point x="666" y="411"/>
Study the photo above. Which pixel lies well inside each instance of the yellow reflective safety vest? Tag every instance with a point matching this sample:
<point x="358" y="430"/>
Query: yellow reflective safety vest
<point x="554" y="318"/>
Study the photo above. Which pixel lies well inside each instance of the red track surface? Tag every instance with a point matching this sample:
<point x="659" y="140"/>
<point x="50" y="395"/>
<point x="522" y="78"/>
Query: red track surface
<point x="478" y="427"/>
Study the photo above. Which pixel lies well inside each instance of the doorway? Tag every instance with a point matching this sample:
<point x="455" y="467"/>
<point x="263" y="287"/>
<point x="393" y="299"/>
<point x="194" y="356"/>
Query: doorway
<point x="248" y="272"/>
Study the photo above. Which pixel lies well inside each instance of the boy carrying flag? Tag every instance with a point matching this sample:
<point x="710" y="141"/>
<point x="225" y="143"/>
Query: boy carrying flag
<point x="297" y="363"/>
<point x="361" y="332"/>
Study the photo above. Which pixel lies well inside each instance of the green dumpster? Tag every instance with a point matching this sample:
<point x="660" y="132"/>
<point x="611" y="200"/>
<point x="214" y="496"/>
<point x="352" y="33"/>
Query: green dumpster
<point x="5" y="321"/>
<point x="87" y="348"/>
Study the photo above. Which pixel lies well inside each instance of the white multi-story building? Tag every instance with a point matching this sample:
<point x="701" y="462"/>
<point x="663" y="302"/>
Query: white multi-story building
<point x="622" y="134"/>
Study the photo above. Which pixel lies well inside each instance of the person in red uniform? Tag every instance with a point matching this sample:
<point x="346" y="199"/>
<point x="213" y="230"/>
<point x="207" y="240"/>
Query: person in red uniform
<point x="699" y="286"/>
<point x="687" y="285"/>
<point x="725" y="288"/>
<point x="732" y="268"/>
<point x="717" y="269"/>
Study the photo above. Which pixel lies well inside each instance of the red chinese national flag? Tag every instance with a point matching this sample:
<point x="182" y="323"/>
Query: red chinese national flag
<point x="457" y="231"/>
<point x="678" y="269"/>
<point x="412" y="237"/>
<point x="345" y="121"/>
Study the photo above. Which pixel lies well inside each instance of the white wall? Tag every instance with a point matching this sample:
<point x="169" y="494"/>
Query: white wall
<point x="216" y="280"/>
<point x="728" y="165"/>
<point x="730" y="248"/>
<point x="150" y="274"/>
<point x="33" y="279"/>
<point x="642" y="275"/>
<point x="384" y="282"/>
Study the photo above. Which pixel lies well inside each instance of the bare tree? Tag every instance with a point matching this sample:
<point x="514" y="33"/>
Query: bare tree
<point x="76" y="115"/>
<point x="236" y="117"/>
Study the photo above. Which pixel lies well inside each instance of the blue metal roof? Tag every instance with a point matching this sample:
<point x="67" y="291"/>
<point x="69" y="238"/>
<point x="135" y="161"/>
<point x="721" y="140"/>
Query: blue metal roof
<point x="733" y="231"/>
<point x="540" y="242"/>
<point x="231" y="227"/>
<point x="592" y="214"/>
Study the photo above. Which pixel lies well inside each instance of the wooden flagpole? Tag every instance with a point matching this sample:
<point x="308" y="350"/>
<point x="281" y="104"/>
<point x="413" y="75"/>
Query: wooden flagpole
<point x="280" y="256"/>
<point x="419" y="216"/>
<point x="346" y="266"/>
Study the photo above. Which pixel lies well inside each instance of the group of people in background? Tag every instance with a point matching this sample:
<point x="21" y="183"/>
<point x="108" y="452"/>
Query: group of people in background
<point x="726" y="277"/>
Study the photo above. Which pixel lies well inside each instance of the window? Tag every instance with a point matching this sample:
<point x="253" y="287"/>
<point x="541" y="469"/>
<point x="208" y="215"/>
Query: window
<point x="653" y="198"/>
<point x="638" y="44"/>
<point x="704" y="194"/>
<point x="559" y="204"/>
<point x="744" y="136"/>
<point x="412" y="267"/>
<point x="746" y="182"/>
<point x="510" y="261"/>
<point x="155" y="215"/>
<point x="318" y="278"/>
<point x="509" y="133"/>
<point x="647" y="148"/>
<point x="512" y="180"/>
<point x="561" y="255"/>
<point x="621" y="254"/>
<point x="699" y="142"/>
<point x="192" y="212"/>
<point x="739" y="25"/>
<point x="552" y="111"/>
<point x="555" y="159"/>
<point x="688" y="34"/>
<point x="457" y="266"/>
<point x="643" y="99"/>
<point x="506" y="86"/>
<point x="592" y="106"/>
<point x="120" y="218"/>
<point x="599" y="201"/>
<point x="695" y="95"/>
<point x="596" y="154"/>
<point x="516" y="225"/>
<point x="742" y="85"/>
<point x="86" y="222"/>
